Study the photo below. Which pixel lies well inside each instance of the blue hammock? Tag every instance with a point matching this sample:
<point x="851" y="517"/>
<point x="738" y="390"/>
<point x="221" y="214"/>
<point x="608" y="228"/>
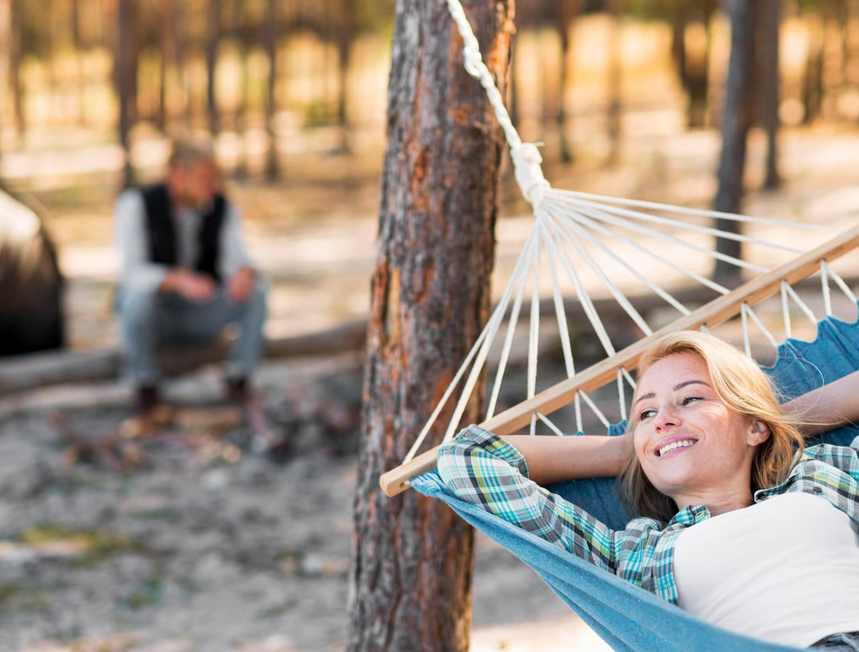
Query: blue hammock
<point x="627" y="617"/>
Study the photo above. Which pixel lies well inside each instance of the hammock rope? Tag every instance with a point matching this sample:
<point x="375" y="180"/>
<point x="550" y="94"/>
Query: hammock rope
<point x="570" y="229"/>
<point x="573" y="227"/>
<point x="569" y="243"/>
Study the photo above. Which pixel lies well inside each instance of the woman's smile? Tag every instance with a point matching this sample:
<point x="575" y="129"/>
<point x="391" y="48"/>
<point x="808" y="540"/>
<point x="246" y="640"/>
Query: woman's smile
<point x="668" y="447"/>
<point x="690" y="443"/>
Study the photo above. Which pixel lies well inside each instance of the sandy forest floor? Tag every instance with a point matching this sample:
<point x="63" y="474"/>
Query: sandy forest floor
<point x="209" y="546"/>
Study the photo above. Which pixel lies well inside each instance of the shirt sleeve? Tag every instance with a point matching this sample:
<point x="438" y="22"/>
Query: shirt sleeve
<point x="842" y="458"/>
<point x="135" y="270"/>
<point x="234" y="253"/>
<point x="482" y="469"/>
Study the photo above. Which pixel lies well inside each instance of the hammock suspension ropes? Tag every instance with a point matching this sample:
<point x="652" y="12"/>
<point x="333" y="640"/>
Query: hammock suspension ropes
<point x="574" y="239"/>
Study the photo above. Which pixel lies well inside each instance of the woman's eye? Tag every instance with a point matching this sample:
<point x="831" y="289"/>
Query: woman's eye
<point x="644" y="414"/>
<point x="689" y="399"/>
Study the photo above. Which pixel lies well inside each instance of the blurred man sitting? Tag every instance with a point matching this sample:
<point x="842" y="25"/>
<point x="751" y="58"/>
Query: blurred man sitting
<point x="185" y="273"/>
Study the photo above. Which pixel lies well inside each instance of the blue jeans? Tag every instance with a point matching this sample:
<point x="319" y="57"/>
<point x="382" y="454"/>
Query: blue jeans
<point x="149" y="318"/>
<point x="846" y="642"/>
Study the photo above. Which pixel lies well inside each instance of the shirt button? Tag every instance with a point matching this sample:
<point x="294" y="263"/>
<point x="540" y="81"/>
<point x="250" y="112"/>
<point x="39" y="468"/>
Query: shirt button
<point x="818" y="490"/>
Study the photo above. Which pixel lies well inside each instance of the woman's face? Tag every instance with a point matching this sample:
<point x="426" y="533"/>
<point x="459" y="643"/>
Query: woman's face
<point x="691" y="445"/>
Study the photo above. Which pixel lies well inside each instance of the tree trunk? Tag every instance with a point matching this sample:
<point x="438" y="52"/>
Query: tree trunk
<point x="614" y="80"/>
<point x="736" y="120"/>
<point x="345" y="32"/>
<point x="812" y="88"/>
<point x="5" y="63"/>
<point x="410" y="582"/>
<point x="15" y="59"/>
<point x="243" y="115"/>
<point x="679" y="21"/>
<point x="166" y="57"/>
<point x="124" y="71"/>
<point x="80" y="48"/>
<point x="213" y="38"/>
<point x="769" y="23"/>
<point x="693" y="68"/>
<point x="177" y="29"/>
<point x="698" y="71"/>
<point x="270" y="33"/>
<point x="569" y="11"/>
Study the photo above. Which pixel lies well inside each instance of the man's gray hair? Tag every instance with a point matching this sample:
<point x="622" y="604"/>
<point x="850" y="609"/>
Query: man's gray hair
<point x="187" y="152"/>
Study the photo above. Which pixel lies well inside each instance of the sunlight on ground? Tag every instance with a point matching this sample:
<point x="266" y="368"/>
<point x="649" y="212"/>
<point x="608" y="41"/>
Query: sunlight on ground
<point x="550" y="636"/>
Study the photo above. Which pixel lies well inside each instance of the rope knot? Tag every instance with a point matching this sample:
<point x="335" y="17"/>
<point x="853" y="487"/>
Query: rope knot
<point x="529" y="174"/>
<point x="473" y="61"/>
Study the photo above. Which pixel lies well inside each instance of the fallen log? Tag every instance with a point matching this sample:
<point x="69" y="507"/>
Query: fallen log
<point x="44" y="369"/>
<point x="21" y="373"/>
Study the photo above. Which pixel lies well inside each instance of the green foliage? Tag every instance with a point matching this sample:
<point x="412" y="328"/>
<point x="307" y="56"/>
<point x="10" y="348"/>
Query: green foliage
<point x="95" y="545"/>
<point x="649" y="9"/>
<point x="145" y="594"/>
<point x="21" y="597"/>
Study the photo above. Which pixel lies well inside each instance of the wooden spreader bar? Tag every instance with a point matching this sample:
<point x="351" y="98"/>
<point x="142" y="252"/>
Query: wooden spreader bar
<point x="712" y="314"/>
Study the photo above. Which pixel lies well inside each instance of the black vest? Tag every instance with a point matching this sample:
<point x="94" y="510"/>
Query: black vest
<point x="162" y="232"/>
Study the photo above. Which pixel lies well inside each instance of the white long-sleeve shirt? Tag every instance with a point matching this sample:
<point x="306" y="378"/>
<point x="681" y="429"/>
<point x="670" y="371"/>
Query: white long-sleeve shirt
<point x="132" y="241"/>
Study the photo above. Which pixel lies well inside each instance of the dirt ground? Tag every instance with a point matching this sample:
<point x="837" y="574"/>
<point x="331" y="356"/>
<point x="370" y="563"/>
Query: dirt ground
<point x="196" y="550"/>
<point x="210" y="546"/>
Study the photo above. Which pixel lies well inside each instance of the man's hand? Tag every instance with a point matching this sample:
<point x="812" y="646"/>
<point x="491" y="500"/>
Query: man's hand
<point x="188" y="284"/>
<point x="241" y="284"/>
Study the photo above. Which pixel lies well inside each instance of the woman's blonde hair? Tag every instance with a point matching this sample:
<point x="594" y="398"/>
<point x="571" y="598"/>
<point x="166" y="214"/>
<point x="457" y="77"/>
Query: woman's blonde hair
<point x="741" y="384"/>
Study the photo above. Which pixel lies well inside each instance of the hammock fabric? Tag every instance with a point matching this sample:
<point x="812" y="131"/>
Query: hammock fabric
<point x="627" y="617"/>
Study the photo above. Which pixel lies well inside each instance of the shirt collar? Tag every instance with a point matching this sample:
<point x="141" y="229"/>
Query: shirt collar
<point x="689" y="516"/>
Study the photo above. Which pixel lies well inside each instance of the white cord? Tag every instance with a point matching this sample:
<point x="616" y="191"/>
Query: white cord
<point x="824" y="281"/>
<point x="560" y="312"/>
<point x="551" y="425"/>
<point x="599" y="214"/>
<point x="609" y="284"/>
<point x="596" y="226"/>
<point x="526" y="157"/>
<point x="668" y="208"/>
<point x="840" y="283"/>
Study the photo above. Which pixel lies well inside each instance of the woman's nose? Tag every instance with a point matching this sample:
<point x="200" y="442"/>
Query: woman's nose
<point x="666" y="417"/>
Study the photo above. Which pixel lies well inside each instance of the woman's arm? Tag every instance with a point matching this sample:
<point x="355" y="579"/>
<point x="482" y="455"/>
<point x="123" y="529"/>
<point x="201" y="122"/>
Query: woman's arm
<point x="553" y="459"/>
<point x="835" y="404"/>
<point x="488" y="472"/>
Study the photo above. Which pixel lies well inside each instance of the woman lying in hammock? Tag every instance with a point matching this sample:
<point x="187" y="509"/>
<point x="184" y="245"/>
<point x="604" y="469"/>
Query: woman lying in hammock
<point x="738" y="525"/>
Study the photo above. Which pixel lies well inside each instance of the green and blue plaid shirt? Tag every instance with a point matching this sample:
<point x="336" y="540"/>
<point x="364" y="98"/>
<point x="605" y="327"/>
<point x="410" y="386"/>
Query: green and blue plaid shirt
<point x="485" y="470"/>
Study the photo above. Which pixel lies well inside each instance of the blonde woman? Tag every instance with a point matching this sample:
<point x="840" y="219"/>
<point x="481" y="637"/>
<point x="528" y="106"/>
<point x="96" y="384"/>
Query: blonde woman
<point x="737" y="522"/>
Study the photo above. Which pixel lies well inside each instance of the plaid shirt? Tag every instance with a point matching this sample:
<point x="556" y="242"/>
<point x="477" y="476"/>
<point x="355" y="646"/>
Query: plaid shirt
<point x="483" y="469"/>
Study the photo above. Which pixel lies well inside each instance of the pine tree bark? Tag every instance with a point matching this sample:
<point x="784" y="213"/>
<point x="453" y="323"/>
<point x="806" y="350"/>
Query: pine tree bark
<point x="736" y="121"/>
<point x="176" y="33"/>
<point x="568" y="12"/>
<point x="769" y="23"/>
<point x="15" y="58"/>
<point x="410" y="582"/>
<point x="5" y="62"/>
<point x="812" y="87"/>
<point x="269" y="38"/>
<point x="125" y="69"/>
<point x="80" y="47"/>
<point x="166" y="57"/>
<point x="614" y="8"/>
<point x="345" y="35"/>
<point x="693" y="68"/>
<point x="213" y="39"/>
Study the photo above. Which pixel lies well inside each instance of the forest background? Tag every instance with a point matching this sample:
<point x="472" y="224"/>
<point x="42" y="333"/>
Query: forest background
<point x="627" y="97"/>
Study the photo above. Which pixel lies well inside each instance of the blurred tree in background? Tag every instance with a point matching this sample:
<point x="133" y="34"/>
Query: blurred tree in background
<point x="232" y="66"/>
<point x="258" y="74"/>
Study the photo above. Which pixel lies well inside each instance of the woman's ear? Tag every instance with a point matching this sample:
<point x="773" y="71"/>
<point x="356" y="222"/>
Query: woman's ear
<point x="758" y="433"/>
